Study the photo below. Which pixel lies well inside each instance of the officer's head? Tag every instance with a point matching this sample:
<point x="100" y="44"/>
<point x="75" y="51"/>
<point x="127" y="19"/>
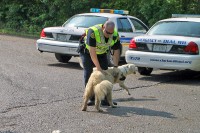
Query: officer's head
<point x="108" y="28"/>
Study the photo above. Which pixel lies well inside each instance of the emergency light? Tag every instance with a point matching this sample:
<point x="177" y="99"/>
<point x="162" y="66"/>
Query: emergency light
<point x="97" y="10"/>
<point x="185" y="16"/>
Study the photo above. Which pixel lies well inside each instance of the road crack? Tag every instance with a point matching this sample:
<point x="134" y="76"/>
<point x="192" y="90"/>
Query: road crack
<point x="27" y="106"/>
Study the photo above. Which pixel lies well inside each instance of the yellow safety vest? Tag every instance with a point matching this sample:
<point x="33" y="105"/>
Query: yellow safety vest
<point x="101" y="46"/>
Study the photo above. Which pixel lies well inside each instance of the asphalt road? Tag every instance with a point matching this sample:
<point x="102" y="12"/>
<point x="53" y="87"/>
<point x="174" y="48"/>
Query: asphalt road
<point x="40" y="95"/>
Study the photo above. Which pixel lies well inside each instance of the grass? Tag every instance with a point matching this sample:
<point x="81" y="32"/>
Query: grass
<point x="20" y="33"/>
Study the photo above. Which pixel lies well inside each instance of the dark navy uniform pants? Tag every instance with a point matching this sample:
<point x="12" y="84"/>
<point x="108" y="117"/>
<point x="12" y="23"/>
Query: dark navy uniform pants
<point x="89" y="65"/>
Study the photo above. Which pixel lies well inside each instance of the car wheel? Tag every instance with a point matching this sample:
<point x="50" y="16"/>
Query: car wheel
<point x="63" y="58"/>
<point x="145" y="70"/>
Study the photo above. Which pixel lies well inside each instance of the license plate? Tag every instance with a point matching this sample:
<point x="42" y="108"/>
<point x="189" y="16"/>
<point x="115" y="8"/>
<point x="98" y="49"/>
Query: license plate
<point x="159" y="48"/>
<point x="63" y="37"/>
<point x="71" y="49"/>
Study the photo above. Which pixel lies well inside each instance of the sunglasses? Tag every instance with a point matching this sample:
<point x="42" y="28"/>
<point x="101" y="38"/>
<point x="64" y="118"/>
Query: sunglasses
<point x="108" y="32"/>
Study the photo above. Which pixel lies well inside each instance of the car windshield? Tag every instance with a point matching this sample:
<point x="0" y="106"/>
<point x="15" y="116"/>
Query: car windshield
<point x="85" y="21"/>
<point x="178" y="28"/>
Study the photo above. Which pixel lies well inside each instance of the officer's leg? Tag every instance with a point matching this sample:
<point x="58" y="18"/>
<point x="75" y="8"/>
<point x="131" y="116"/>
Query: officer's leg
<point x="104" y="65"/>
<point x="88" y="68"/>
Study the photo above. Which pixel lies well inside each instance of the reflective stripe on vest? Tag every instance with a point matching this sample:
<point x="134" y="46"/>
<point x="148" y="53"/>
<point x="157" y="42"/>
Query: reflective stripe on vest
<point x="101" y="46"/>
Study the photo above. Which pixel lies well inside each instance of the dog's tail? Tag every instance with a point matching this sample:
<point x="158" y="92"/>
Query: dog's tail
<point x="102" y="89"/>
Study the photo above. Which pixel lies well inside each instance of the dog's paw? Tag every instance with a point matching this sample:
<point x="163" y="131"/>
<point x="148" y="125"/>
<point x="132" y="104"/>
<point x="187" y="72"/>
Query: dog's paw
<point x="84" y="109"/>
<point x="114" y="106"/>
<point x="100" y="110"/>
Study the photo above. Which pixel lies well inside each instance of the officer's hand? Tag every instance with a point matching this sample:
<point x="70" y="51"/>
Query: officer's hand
<point x="99" y="69"/>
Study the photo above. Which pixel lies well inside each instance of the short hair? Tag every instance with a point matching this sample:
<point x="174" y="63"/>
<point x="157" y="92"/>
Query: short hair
<point x="109" y="24"/>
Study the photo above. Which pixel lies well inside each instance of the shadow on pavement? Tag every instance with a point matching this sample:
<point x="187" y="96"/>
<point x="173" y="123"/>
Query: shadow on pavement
<point x="70" y="65"/>
<point x="175" y="77"/>
<point x="134" y="99"/>
<point x="128" y="111"/>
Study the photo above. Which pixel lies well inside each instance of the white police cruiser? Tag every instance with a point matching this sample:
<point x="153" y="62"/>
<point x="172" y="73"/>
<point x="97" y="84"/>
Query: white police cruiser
<point x="169" y="44"/>
<point x="63" y="41"/>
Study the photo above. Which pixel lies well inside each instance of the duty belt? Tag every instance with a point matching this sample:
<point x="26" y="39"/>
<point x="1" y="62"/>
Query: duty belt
<point x="86" y="51"/>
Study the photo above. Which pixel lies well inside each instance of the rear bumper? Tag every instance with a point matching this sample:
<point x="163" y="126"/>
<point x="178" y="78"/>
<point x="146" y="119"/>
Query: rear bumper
<point x="163" y="60"/>
<point x="50" y="46"/>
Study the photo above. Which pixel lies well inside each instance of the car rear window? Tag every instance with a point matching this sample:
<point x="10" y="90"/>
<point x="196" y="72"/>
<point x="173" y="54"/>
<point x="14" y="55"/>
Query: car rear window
<point x="178" y="28"/>
<point x="85" y="21"/>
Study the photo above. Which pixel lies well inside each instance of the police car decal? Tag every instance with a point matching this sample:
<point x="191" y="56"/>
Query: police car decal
<point x="137" y="58"/>
<point x="125" y="41"/>
<point x="171" y="61"/>
<point x="161" y="41"/>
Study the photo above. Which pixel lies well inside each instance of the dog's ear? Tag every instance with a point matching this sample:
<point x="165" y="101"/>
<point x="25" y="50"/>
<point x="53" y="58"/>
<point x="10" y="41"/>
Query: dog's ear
<point x="116" y="74"/>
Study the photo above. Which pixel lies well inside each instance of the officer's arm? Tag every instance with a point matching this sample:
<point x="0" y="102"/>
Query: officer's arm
<point x="92" y="49"/>
<point x="116" y="55"/>
<point x="94" y="58"/>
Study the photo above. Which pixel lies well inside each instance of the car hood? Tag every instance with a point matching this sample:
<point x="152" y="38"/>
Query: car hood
<point x="163" y="39"/>
<point x="66" y="30"/>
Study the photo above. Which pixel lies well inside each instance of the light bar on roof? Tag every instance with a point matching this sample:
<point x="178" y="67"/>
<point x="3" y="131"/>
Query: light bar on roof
<point x="185" y="16"/>
<point x="97" y="10"/>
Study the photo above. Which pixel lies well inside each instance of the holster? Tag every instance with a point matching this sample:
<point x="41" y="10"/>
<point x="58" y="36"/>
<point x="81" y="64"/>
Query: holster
<point x="81" y="46"/>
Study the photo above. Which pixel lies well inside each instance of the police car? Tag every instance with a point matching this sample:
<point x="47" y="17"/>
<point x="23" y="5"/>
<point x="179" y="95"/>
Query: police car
<point x="63" y="41"/>
<point x="169" y="44"/>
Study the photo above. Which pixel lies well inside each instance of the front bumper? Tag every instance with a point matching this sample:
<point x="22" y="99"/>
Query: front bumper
<point x="51" y="46"/>
<point x="163" y="60"/>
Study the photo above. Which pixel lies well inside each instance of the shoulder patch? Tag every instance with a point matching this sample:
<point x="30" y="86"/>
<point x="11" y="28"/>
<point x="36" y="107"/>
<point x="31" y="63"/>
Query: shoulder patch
<point x="92" y="35"/>
<point x="114" y="37"/>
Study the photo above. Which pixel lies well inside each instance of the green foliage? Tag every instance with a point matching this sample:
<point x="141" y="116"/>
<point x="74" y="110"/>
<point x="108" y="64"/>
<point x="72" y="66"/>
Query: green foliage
<point x="31" y="16"/>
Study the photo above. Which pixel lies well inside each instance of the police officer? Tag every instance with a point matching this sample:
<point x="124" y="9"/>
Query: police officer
<point x="97" y="42"/>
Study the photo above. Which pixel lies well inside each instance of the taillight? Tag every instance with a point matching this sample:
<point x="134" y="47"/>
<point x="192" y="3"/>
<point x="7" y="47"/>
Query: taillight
<point x="192" y="48"/>
<point x="132" y="44"/>
<point x="42" y="34"/>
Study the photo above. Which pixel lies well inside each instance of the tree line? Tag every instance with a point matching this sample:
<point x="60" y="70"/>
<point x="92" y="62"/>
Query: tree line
<point x="33" y="15"/>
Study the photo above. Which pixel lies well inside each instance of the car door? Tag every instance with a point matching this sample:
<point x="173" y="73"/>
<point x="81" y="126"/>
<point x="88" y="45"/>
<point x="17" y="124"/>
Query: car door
<point x="127" y="29"/>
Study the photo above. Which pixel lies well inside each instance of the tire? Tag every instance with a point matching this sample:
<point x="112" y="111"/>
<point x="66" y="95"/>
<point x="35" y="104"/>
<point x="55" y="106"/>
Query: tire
<point x="145" y="70"/>
<point x="63" y="58"/>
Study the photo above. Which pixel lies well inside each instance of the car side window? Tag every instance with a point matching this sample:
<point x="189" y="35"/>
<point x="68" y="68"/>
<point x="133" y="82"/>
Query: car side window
<point x="124" y="25"/>
<point x="139" y="27"/>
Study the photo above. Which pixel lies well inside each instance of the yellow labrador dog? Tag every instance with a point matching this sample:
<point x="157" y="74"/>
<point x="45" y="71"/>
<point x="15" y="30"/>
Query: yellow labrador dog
<point x="100" y="84"/>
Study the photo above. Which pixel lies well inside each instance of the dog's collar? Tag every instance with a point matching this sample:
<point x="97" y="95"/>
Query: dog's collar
<point x="123" y="70"/>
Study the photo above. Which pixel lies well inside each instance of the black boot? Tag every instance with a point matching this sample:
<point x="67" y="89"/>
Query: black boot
<point x="91" y="101"/>
<point x="105" y="102"/>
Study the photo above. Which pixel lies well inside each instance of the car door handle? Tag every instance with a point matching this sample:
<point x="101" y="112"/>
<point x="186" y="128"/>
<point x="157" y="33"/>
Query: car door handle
<point x="122" y="36"/>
